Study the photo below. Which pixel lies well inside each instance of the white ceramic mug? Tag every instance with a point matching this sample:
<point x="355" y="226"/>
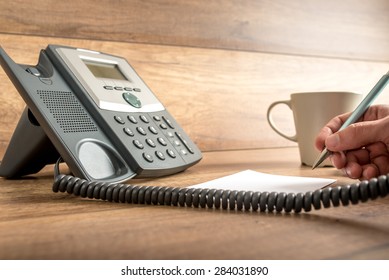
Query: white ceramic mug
<point x="311" y="111"/>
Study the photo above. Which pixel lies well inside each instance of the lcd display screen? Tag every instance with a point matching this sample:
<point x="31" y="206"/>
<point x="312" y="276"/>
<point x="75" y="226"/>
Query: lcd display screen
<point x="105" y="70"/>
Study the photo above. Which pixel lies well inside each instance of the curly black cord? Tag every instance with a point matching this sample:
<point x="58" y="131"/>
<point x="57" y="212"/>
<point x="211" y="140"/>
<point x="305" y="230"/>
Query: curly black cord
<point x="225" y="199"/>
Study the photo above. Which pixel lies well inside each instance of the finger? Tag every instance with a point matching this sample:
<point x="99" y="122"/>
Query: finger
<point x="377" y="149"/>
<point x="331" y="127"/>
<point x="374" y="112"/>
<point x="355" y="136"/>
<point x="360" y="156"/>
<point x="338" y="160"/>
<point x="369" y="171"/>
<point x="354" y="162"/>
<point x="379" y="160"/>
<point x="321" y="137"/>
<point x="382" y="164"/>
<point x="367" y="163"/>
<point x="353" y="170"/>
<point x="335" y="123"/>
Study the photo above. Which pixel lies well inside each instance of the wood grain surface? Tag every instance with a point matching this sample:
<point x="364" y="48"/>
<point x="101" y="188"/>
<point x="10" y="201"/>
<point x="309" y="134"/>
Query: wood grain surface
<point x="349" y="28"/>
<point x="36" y="223"/>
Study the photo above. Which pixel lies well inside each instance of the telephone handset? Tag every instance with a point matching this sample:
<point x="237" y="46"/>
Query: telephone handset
<point x="94" y="111"/>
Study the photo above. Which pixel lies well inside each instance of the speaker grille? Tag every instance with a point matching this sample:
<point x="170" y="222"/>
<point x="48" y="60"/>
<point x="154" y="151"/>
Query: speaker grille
<point x="67" y="111"/>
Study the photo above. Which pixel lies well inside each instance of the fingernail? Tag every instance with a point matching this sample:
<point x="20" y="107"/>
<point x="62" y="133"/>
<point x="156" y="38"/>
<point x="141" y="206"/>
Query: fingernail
<point x="332" y="141"/>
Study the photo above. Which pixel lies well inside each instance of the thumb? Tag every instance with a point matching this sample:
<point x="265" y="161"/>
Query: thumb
<point x="355" y="136"/>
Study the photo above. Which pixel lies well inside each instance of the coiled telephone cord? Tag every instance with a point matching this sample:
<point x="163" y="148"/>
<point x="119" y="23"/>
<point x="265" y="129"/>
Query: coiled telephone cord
<point x="224" y="199"/>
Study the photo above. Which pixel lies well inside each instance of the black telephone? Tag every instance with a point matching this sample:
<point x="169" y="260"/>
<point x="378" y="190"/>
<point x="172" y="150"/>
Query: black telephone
<point x="94" y="111"/>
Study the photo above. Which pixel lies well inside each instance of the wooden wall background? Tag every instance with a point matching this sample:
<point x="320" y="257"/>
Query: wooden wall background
<point x="216" y="64"/>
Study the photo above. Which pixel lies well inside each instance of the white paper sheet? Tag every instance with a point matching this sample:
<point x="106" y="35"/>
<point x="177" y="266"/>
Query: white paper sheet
<point x="250" y="180"/>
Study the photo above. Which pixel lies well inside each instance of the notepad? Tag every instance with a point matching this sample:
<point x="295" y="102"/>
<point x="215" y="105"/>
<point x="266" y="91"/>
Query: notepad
<point x="250" y="180"/>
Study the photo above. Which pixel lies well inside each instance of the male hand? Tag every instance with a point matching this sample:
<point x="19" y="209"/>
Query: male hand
<point x="361" y="149"/>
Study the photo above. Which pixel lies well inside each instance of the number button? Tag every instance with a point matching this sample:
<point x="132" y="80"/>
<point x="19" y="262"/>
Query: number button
<point x="163" y="126"/>
<point x="150" y="143"/>
<point x="141" y="130"/>
<point x="160" y="155"/>
<point x="162" y="141"/>
<point x="170" y="134"/>
<point x="119" y="119"/>
<point x="128" y="131"/>
<point x="144" y="119"/>
<point x="153" y="130"/>
<point x="171" y="153"/>
<point x="148" y="157"/>
<point x="138" y="144"/>
<point x="132" y="119"/>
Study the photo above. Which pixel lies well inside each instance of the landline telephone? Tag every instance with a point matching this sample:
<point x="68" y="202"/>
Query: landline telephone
<point x="94" y="112"/>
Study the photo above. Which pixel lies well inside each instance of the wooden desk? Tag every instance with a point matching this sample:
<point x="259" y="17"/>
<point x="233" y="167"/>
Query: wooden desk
<point x="36" y="223"/>
<point x="217" y="72"/>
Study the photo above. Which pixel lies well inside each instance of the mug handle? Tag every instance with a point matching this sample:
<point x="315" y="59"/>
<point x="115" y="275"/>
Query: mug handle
<point x="273" y="125"/>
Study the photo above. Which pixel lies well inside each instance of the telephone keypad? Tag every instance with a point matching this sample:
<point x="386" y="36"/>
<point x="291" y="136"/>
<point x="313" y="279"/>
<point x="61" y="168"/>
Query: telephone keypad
<point x="155" y="137"/>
